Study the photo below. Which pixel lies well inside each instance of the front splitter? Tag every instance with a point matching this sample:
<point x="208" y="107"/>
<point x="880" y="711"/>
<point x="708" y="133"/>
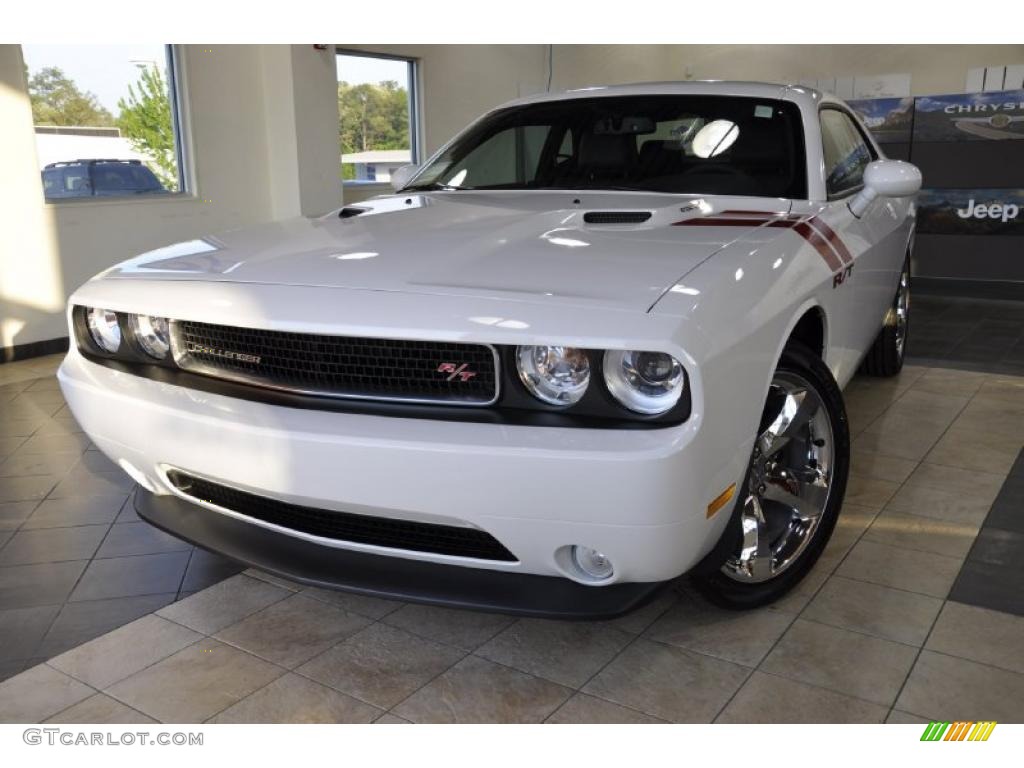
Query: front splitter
<point x="382" y="576"/>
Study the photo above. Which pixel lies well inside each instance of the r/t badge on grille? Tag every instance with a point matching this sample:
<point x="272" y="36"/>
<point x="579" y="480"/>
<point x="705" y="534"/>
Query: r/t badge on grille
<point x="456" y="371"/>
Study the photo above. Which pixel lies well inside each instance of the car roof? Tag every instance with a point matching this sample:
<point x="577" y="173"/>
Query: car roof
<point x="802" y="95"/>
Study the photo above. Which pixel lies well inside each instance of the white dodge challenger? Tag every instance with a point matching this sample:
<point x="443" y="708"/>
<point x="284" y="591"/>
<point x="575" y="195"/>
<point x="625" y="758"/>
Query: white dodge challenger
<point x="595" y="342"/>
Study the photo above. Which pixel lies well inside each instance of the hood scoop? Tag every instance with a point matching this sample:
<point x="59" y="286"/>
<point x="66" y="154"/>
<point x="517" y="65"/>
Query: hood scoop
<point x="616" y="217"/>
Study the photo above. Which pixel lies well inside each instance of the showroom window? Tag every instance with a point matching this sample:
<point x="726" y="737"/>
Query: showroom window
<point x="106" y="120"/>
<point x="376" y="116"/>
<point x="847" y="154"/>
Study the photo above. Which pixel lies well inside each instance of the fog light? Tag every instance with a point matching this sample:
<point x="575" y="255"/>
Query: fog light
<point x="592" y="564"/>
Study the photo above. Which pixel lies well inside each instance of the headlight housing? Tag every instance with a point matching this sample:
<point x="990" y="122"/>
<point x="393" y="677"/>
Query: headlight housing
<point x="554" y="375"/>
<point x="644" y="382"/>
<point x="152" y="335"/>
<point x="104" y="328"/>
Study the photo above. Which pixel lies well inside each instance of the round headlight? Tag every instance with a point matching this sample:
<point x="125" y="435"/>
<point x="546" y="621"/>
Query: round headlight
<point x="152" y="335"/>
<point x="104" y="328"/>
<point x="645" y="382"/>
<point x="556" y="375"/>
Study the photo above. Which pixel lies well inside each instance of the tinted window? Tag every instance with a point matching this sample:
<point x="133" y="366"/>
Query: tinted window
<point x="122" y="177"/>
<point x="76" y="181"/>
<point x="678" y="144"/>
<point x="846" y="153"/>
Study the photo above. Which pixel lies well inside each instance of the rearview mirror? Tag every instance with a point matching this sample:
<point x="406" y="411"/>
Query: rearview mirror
<point x="402" y="175"/>
<point x="886" y="178"/>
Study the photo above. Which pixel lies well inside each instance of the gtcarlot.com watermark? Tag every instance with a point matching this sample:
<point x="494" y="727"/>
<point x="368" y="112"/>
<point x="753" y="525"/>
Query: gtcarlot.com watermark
<point x="73" y="738"/>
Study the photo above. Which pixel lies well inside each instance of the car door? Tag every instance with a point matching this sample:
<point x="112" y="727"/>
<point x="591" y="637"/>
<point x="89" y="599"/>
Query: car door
<point x="870" y="275"/>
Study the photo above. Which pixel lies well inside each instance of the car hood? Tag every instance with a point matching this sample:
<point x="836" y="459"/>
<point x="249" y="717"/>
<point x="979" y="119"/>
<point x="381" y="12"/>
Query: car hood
<point x="530" y="246"/>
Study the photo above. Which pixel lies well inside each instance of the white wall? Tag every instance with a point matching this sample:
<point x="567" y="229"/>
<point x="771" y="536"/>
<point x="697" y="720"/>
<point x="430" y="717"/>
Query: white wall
<point x="933" y="68"/>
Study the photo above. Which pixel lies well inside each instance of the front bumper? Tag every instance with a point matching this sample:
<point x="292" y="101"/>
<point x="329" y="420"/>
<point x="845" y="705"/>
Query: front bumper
<point x="389" y="577"/>
<point x="639" y="496"/>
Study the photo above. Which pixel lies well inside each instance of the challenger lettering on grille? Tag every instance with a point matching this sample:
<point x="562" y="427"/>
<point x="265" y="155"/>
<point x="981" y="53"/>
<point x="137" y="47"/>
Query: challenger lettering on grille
<point x="227" y="354"/>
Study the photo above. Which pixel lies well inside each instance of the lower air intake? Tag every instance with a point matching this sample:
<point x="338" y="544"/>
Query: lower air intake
<point x="345" y="526"/>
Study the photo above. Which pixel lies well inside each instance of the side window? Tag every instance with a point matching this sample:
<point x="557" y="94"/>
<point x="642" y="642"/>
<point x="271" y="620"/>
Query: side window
<point x="846" y="153"/>
<point x="76" y="181"/>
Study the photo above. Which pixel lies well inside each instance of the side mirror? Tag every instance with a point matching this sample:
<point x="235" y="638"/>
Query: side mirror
<point x="402" y="175"/>
<point x="886" y="178"/>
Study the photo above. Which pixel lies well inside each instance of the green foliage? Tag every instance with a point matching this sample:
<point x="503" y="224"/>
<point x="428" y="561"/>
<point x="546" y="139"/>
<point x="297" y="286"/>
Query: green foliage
<point x="373" y="116"/>
<point x="56" y="100"/>
<point x="146" y="121"/>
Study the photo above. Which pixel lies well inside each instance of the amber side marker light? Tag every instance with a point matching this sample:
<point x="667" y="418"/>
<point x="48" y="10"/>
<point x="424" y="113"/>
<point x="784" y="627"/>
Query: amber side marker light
<point x="721" y="500"/>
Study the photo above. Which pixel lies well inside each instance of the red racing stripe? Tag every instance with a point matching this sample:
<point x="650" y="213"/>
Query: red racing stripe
<point x="820" y="244"/>
<point x="830" y="234"/>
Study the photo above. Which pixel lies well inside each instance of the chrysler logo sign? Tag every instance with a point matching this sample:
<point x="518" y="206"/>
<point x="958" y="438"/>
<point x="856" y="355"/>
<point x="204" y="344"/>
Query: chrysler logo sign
<point x="1002" y="211"/>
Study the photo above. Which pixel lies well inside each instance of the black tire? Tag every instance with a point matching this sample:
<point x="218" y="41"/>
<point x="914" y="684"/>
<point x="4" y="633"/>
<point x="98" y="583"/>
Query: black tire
<point x="712" y="577"/>
<point x="885" y="358"/>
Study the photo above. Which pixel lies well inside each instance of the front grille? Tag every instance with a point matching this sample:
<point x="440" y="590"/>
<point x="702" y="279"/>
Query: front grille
<point x="345" y="526"/>
<point x="340" y="366"/>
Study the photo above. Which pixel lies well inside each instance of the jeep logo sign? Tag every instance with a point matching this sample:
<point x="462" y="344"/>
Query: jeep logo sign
<point x="971" y="212"/>
<point x="1002" y="211"/>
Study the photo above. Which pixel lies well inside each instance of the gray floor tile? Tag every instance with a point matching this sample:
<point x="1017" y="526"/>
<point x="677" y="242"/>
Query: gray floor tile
<point x="590" y="710"/>
<point x="129" y="576"/>
<point x="31" y="488"/>
<point x="947" y="493"/>
<point x="85" y="510"/>
<point x="893" y="614"/>
<point x="79" y="623"/>
<point x="125" y="651"/>
<point x="292" y="631"/>
<point x="463" y="629"/>
<point x="998" y="587"/>
<point x="223" y="604"/>
<point x="41" y="584"/>
<point x="465" y="694"/>
<point x="768" y="698"/>
<point x="87" y="483"/>
<point x="741" y="637"/>
<point x="295" y="699"/>
<point x="24" y="464"/>
<point x="195" y="683"/>
<point x="54" y="444"/>
<point x="978" y="634"/>
<point x="923" y="572"/>
<point x="668" y="682"/>
<point x="371" y="607"/>
<point x="947" y="688"/>
<point x="126" y="539"/>
<point x="50" y="545"/>
<point x="39" y="693"/>
<point x="12" y="667"/>
<point x="922" y="533"/>
<point x="567" y="653"/>
<point x="381" y="665"/>
<point x="999" y="547"/>
<point x="858" y="665"/>
<point x="22" y="629"/>
<point x="13" y="514"/>
<point x="100" y="708"/>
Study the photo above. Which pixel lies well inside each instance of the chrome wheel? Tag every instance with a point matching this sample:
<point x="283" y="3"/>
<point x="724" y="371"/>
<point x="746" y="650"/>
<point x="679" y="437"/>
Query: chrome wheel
<point x="901" y="311"/>
<point x="789" y="481"/>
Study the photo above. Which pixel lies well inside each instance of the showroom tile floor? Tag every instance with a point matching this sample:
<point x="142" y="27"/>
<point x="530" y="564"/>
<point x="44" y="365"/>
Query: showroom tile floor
<point x="870" y="636"/>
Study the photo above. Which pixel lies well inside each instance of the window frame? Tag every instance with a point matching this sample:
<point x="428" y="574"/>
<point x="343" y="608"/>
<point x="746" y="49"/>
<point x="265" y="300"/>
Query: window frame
<point x="872" y="151"/>
<point x="415" y="109"/>
<point x="180" y="125"/>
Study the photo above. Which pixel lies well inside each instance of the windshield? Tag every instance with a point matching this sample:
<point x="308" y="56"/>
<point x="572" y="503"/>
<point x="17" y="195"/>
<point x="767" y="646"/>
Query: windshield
<point x="679" y="144"/>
